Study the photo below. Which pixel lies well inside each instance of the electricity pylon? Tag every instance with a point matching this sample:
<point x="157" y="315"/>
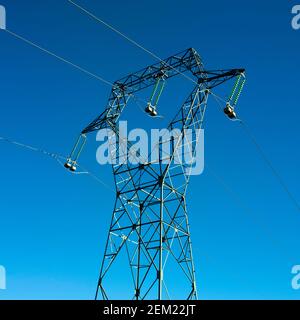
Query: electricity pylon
<point x="150" y="222"/>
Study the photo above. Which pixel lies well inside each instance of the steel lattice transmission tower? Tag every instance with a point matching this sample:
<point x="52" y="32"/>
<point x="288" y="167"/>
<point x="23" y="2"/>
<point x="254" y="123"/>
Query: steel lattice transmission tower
<point x="150" y="222"/>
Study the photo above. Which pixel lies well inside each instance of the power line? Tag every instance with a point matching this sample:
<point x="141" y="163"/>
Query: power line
<point x="31" y="148"/>
<point x="270" y="164"/>
<point x="239" y="202"/>
<point x="92" y="175"/>
<point x="55" y="156"/>
<point x="128" y="39"/>
<point x="35" y="149"/>
<point x="58" y="57"/>
<point x="265" y="158"/>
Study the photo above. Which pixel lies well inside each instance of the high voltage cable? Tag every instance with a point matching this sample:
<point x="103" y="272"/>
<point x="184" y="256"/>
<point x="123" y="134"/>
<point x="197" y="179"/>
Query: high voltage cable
<point x="265" y="158"/>
<point x="91" y="74"/>
<point x="54" y="156"/>
<point x="246" y="209"/>
<point x="35" y="149"/>
<point x="128" y="39"/>
<point x="270" y="165"/>
<point x="238" y="200"/>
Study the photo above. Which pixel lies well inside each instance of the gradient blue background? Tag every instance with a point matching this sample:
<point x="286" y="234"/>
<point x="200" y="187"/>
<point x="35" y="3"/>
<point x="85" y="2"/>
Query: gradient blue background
<point x="53" y="225"/>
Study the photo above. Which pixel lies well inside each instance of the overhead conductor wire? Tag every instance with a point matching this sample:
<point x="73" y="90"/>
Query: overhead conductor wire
<point x="57" y="157"/>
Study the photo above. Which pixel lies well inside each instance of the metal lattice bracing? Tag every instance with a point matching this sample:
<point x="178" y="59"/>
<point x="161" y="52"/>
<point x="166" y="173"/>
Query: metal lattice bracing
<point x="150" y="222"/>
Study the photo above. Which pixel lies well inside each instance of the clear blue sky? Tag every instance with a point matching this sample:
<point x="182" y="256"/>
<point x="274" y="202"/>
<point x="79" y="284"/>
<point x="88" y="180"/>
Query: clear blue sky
<point x="54" y="225"/>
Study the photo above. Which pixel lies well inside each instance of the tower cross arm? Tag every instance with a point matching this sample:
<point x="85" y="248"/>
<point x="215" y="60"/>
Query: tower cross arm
<point x="213" y="78"/>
